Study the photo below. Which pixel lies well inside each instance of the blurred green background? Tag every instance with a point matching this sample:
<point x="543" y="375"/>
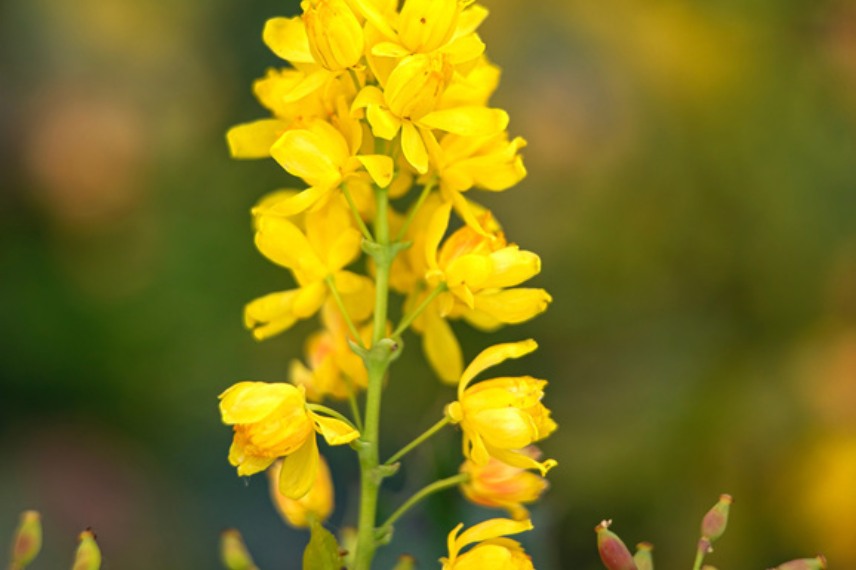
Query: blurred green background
<point x="692" y="193"/>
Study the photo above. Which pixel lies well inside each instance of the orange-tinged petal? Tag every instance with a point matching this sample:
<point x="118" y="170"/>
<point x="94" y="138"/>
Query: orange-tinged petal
<point x="249" y="402"/>
<point x="467" y="121"/>
<point x="336" y="432"/>
<point x="253" y="140"/>
<point x="286" y="37"/>
<point x="299" y="470"/>
<point x="522" y="460"/>
<point x="493" y="356"/>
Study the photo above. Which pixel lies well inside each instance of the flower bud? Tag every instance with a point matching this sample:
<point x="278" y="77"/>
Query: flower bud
<point x="714" y="522"/>
<point x="405" y="562"/>
<point x="643" y="558"/>
<point x="415" y="85"/>
<point x="613" y="553"/>
<point x="335" y="35"/>
<point x="88" y="556"/>
<point x="816" y="563"/>
<point x="233" y="551"/>
<point x="315" y="505"/>
<point x="27" y="541"/>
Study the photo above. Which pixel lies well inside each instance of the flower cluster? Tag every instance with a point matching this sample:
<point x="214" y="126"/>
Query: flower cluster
<point x="382" y="112"/>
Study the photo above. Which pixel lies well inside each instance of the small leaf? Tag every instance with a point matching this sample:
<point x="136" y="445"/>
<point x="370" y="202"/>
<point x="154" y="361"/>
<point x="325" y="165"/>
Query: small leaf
<point x="322" y="552"/>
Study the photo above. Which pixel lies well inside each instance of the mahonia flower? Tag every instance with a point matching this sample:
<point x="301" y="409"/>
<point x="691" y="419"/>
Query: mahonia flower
<point x="314" y="506"/>
<point x="502" y="416"/>
<point x="328" y="243"/>
<point x="272" y="420"/>
<point x="499" y="485"/>
<point x="492" y="551"/>
<point x="334" y="369"/>
<point x="480" y="274"/>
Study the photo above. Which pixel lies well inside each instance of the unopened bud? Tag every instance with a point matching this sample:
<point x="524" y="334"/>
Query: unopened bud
<point x="234" y="552"/>
<point x="88" y="556"/>
<point x="643" y="558"/>
<point x="613" y="553"/>
<point x="816" y="563"/>
<point x="27" y="541"/>
<point x="714" y="522"/>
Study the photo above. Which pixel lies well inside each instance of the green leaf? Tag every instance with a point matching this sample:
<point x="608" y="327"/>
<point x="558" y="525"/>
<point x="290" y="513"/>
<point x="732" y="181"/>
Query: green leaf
<point x="322" y="552"/>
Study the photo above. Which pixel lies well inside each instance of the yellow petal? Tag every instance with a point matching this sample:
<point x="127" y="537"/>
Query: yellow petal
<point x="485" y="556"/>
<point x="464" y="49"/>
<point x="512" y="306"/>
<point x="336" y="432"/>
<point x="296" y="203"/>
<point x="471" y="270"/>
<point x="310" y="83"/>
<point x="315" y="154"/>
<point x="299" y="470"/>
<point x="286" y="37"/>
<point x="344" y="249"/>
<point x="389" y="49"/>
<point x="522" y="460"/>
<point x="505" y="428"/>
<point x="309" y="299"/>
<point x="441" y="348"/>
<point x="494" y="355"/>
<point x="379" y="167"/>
<point x="512" y="267"/>
<point x="283" y="243"/>
<point x="384" y="124"/>
<point x="492" y="528"/>
<point x="375" y="17"/>
<point x="253" y="140"/>
<point x="434" y="234"/>
<point x="249" y="402"/>
<point x="413" y="147"/>
<point x="247" y="464"/>
<point x="270" y="314"/>
<point x="467" y="121"/>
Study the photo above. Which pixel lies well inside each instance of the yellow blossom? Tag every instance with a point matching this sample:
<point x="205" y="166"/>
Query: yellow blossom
<point x="491" y="550"/>
<point x="321" y="251"/>
<point x="316" y="505"/>
<point x="334" y="34"/>
<point x="499" y="485"/>
<point x="502" y="416"/>
<point x="270" y="421"/>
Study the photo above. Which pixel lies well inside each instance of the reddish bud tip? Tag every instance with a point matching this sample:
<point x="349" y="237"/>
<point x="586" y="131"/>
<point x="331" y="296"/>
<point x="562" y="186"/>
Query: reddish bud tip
<point x="613" y="553"/>
<point x="643" y="558"/>
<point x="714" y="522"/>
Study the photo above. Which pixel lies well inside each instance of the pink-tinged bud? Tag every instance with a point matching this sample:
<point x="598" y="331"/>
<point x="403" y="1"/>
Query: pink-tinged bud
<point x="27" y="541"/>
<point x="234" y="553"/>
<point x="816" y="563"/>
<point x="643" y="558"/>
<point x="714" y="522"/>
<point x="613" y="553"/>
<point x="88" y="556"/>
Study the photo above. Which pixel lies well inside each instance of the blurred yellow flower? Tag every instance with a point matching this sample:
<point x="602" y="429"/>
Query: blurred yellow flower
<point x="499" y="485"/>
<point x="492" y="552"/>
<point x="314" y="506"/>
<point x="502" y="416"/>
<point x="271" y="420"/>
<point x="328" y="243"/>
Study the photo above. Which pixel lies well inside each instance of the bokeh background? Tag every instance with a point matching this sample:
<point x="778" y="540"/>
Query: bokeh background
<point x="692" y="193"/>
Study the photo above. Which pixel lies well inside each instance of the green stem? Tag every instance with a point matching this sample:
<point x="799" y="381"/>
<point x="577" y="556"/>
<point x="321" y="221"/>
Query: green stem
<point x="377" y="360"/>
<point x="412" y="214"/>
<point x="408" y="319"/>
<point x="425" y="435"/>
<point x="359" y="219"/>
<point x="434" y="487"/>
<point x="331" y="285"/>
<point x="701" y="551"/>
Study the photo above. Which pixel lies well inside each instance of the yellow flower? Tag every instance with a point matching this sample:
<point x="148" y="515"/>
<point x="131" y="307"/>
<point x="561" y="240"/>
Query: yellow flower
<point x="491" y="551"/>
<point x="271" y="420"/>
<point x="334" y="369"/>
<point x="316" y="505"/>
<point x="328" y="244"/>
<point x="499" y="485"/>
<point x="502" y="416"/>
<point x="335" y="35"/>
